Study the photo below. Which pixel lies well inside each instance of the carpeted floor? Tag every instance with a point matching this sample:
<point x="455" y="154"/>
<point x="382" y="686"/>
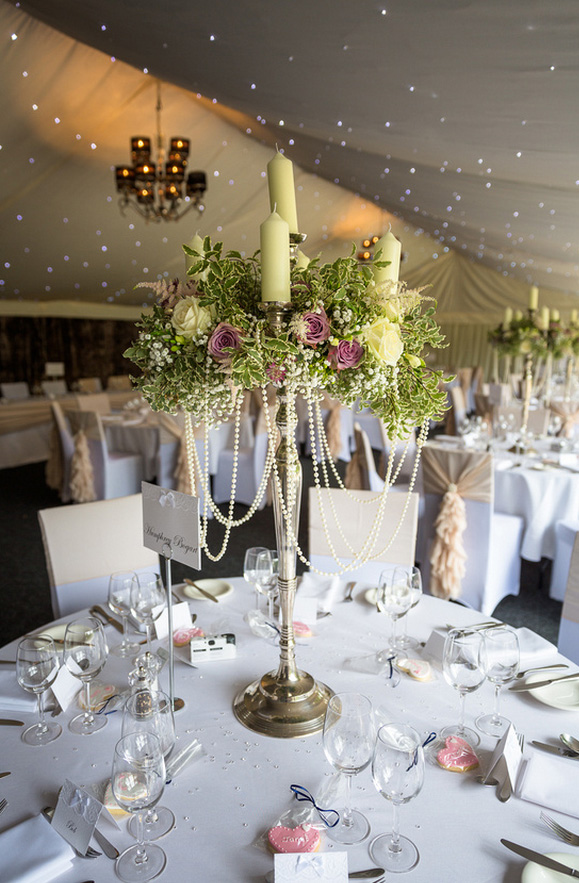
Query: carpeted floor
<point x="25" y="588"/>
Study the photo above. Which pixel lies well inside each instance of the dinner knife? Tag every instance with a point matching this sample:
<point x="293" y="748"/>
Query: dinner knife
<point x="519" y="688"/>
<point x="540" y="859"/>
<point x="106" y="846"/>
<point x="8" y="722"/>
<point x="203" y="592"/>
<point x="108" y="618"/>
<point x="555" y="749"/>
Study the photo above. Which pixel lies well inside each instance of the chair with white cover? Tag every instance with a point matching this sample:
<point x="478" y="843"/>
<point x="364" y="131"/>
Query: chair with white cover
<point x="90" y="384"/>
<point x="458" y="410"/>
<point x="84" y="544"/>
<point x="338" y="424"/>
<point x="538" y="421"/>
<point x="119" y="382"/>
<point x="61" y="453"/>
<point x="54" y="388"/>
<point x="15" y="391"/>
<point x="349" y="519"/>
<point x="509" y="416"/>
<point x="96" y="472"/>
<point x="565" y="533"/>
<point x="568" y="642"/>
<point x="465" y="549"/>
<point x="172" y="465"/>
<point x="250" y="467"/>
<point x="96" y="401"/>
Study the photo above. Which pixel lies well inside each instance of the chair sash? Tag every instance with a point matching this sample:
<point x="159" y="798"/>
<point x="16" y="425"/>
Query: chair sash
<point x="569" y="414"/>
<point x="82" y="489"/>
<point x="358" y="469"/>
<point x="333" y="426"/>
<point x="454" y="476"/>
<point x="174" y="428"/>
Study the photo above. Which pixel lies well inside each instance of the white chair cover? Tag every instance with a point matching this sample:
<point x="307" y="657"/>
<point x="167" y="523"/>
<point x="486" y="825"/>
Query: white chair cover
<point x="96" y="472"/>
<point x="355" y="518"/>
<point x="54" y="387"/>
<point x="98" y="402"/>
<point x="538" y="421"/>
<point x="458" y="410"/>
<point x="568" y="643"/>
<point x="84" y="544"/>
<point x="512" y="415"/>
<point x="250" y="468"/>
<point x="565" y="533"/>
<point x="14" y="391"/>
<point x="172" y="464"/>
<point x="338" y="424"/>
<point x="62" y="449"/>
<point x="499" y="393"/>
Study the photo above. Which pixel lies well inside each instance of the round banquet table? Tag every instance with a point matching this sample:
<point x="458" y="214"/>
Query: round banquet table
<point x="224" y="801"/>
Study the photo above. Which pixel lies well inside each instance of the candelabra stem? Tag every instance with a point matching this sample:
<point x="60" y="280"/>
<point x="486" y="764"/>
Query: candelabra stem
<point x="527" y="390"/>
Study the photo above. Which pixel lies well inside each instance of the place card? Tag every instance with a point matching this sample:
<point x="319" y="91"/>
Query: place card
<point x="76" y="815"/>
<point x="305" y="609"/>
<point x="329" y="866"/>
<point x="181" y="619"/>
<point x="171" y="524"/>
<point x="509" y="750"/>
<point x="434" y="646"/>
<point x="66" y="686"/>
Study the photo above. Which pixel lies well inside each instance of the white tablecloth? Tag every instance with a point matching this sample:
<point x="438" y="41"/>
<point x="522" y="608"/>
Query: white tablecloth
<point x="223" y="802"/>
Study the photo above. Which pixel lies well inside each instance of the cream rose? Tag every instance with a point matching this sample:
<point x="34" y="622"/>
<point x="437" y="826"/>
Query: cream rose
<point x="383" y="339"/>
<point x="189" y="318"/>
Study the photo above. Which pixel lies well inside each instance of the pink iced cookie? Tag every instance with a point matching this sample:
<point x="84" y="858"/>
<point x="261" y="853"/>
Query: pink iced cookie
<point x="304" y="838"/>
<point x="418" y="669"/>
<point x="457" y="755"/>
<point x="99" y="693"/>
<point x="183" y="636"/>
<point x="302" y="630"/>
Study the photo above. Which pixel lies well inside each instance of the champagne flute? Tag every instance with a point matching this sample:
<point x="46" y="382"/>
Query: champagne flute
<point x="37" y="666"/>
<point x="398" y="774"/>
<point x="85" y="654"/>
<point x="267" y="571"/>
<point x="463" y="666"/>
<point x="405" y="641"/>
<point x="138" y="780"/>
<point x="393" y="598"/>
<point x="349" y="735"/>
<point x="150" y="711"/>
<point x="119" y="601"/>
<point x="252" y="565"/>
<point x="148" y="601"/>
<point x="502" y="664"/>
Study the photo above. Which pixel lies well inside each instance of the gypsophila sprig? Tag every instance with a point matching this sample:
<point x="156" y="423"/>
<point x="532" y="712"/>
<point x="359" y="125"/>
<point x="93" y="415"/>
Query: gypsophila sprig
<point x="207" y="338"/>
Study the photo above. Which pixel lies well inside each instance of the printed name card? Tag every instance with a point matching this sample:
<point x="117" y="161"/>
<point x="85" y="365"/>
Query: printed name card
<point x="329" y="866"/>
<point x="509" y="751"/>
<point x="181" y="619"/>
<point x="76" y="815"/>
<point x="171" y="524"/>
<point x="66" y="686"/>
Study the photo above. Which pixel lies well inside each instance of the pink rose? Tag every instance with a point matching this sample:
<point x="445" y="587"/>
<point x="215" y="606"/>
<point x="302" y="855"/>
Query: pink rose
<point x="225" y="336"/>
<point x="318" y="327"/>
<point x="347" y="354"/>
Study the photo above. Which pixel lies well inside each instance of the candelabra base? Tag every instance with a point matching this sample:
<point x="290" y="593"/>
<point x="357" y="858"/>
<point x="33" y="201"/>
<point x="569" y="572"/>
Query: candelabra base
<point x="285" y="709"/>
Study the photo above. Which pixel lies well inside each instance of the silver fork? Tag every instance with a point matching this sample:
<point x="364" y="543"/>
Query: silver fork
<point x="560" y="831"/>
<point x="349" y="589"/>
<point x="3" y="804"/>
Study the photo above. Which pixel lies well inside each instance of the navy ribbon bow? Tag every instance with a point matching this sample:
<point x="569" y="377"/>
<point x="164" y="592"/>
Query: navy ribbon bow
<point x="302" y="793"/>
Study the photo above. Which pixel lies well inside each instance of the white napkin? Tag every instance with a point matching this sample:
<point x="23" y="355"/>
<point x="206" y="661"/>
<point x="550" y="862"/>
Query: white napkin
<point x="552" y="782"/>
<point x="327" y="590"/>
<point x="12" y="696"/>
<point x="32" y="852"/>
<point x="534" y="648"/>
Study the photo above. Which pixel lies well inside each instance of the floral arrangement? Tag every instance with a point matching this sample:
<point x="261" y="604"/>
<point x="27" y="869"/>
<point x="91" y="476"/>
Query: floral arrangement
<point x="207" y="338"/>
<point x="523" y="336"/>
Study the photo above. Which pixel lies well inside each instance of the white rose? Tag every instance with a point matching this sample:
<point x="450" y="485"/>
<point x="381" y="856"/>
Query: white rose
<point x="383" y="339"/>
<point x="189" y="318"/>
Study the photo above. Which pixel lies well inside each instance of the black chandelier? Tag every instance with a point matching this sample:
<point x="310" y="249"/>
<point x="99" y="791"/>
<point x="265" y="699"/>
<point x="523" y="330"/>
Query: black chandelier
<point x="160" y="191"/>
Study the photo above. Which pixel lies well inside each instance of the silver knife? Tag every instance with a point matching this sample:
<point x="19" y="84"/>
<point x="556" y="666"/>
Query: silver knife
<point x="7" y="722"/>
<point x="106" y="846"/>
<point x="540" y="859"/>
<point x="519" y="688"/>
<point x="556" y="749"/>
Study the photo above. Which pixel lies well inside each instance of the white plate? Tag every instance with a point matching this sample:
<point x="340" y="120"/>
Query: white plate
<point x="533" y="873"/>
<point x="564" y="696"/>
<point x="218" y="587"/>
<point x="370" y="596"/>
<point x="56" y="632"/>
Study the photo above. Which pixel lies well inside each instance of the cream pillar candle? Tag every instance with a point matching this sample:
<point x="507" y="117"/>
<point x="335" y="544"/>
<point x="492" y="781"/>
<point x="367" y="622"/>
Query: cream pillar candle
<point x="544" y="321"/>
<point x="555" y="315"/>
<point x="533" y="297"/>
<point x="518" y="315"/>
<point x="574" y="317"/>
<point x="282" y="195"/>
<point x="508" y="317"/>
<point x="388" y="248"/>
<point x="275" y="259"/>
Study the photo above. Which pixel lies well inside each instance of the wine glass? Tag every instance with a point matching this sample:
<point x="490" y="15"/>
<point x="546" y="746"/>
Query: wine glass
<point x="147" y="601"/>
<point x="137" y="781"/>
<point x="398" y="774"/>
<point x="37" y="666"/>
<point x="255" y="563"/>
<point x="502" y="664"/>
<point x="267" y="570"/>
<point x="404" y="641"/>
<point x="393" y="598"/>
<point x="349" y="735"/>
<point x="150" y="711"/>
<point x="119" y="601"/>
<point x="464" y="666"/>
<point x="85" y="654"/>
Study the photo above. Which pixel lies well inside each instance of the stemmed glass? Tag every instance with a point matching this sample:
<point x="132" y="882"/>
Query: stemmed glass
<point x="37" y="665"/>
<point x="147" y="601"/>
<point x="393" y="598"/>
<point x="405" y="641"/>
<point x="119" y="601"/>
<point x="464" y="666"/>
<point x="349" y="735"/>
<point x="398" y="774"/>
<point x="138" y="780"/>
<point x="267" y="571"/>
<point x="502" y="664"/>
<point x="255" y="566"/>
<point x="85" y="654"/>
<point x="150" y="711"/>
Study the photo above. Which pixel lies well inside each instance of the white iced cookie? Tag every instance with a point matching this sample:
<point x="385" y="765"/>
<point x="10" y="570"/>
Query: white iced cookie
<point x="418" y="669"/>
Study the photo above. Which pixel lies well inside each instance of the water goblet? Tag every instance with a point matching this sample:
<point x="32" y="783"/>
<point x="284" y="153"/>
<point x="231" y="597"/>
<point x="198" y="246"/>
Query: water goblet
<point x="398" y="774"/>
<point x="502" y="664"/>
<point x="119" y="601"/>
<point x="267" y="571"/>
<point x="138" y="780"/>
<point x="150" y="711"/>
<point x="349" y="735"/>
<point x="37" y="665"/>
<point x="85" y="654"/>
<point x="254" y="565"/>
<point x="393" y="597"/>
<point x="463" y="666"/>
<point x="148" y="601"/>
<point x="405" y="641"/>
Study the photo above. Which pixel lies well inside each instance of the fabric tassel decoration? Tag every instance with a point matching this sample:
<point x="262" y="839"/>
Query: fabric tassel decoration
<point x="447" y="556"/>
<point x="81" y="472"/>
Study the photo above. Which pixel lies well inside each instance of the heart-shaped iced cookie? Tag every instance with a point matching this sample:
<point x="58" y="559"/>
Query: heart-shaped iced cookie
<point x="457" y="755"/>
<point x="419" y="669"/>
<point x="304" y="838"/>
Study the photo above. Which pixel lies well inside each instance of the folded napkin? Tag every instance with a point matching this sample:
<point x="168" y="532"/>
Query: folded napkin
<point x="326" y="590"/>
<point x="534" y="648"/>
<point x="12" y="696"/>
<point x="33" y="852"/>
<point x="552" y="782"/>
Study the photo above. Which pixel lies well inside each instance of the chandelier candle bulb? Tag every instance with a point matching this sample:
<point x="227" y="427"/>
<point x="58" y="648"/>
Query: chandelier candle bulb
<point x="533" y="297"/>
<point x="388" y="248"/>
<point x="282" y="196"/>
<point x="508" y="317"/>
<point x="275" y="259"/>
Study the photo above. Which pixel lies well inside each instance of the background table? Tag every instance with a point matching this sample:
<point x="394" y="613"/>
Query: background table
<point x="226" y="800"/>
